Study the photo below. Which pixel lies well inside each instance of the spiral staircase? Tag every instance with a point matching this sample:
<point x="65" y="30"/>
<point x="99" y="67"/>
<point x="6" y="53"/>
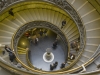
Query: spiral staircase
<point x="26" y="11"/>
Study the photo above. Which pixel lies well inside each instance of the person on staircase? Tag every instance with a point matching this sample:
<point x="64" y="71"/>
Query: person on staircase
<point x="73" y="44"/>
<point x="7" y="48"/>
<point x="55" y="64"/>
<point x="51" y="67"/>
<point x="36" y="41"/>
<point x="41" y="32"/>
<point x="11" y="13"/>
<point x="72" y="56"/>
<point x="63" y="23"/>
<point x="63" y="65"/>
<point x="45" y="32"/>
<point x="11" y="56"/>
<point x="27" y="34"/>
<point x="55" y="43"/>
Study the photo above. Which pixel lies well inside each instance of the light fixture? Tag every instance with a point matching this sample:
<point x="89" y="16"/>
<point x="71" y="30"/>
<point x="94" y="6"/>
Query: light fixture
<point x="23" y="43"/>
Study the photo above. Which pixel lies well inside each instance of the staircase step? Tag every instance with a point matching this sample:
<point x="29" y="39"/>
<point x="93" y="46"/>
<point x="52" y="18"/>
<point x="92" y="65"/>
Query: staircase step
<point x="23" y="58"/>
<point x="91" y="67"/>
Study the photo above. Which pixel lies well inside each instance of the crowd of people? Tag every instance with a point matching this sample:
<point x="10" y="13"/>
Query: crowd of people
<point x="54" y="65"/>
<point x="35" y="39"/>
<point x="12" y="58"/>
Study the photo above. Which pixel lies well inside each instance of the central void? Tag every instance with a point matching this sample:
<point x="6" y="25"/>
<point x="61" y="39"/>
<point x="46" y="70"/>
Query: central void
<point x="37" y="51"/>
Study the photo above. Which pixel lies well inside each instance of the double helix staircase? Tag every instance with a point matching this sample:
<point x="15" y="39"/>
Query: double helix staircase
<point x="88" y="14"/>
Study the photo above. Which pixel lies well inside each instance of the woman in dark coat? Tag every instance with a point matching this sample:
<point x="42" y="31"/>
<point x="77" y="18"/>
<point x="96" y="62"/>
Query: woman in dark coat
<point x="11" y="12"/>
<point x="11" y="56"/>
<point x="62" y="65"/>
<point x="51" y="66"/>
